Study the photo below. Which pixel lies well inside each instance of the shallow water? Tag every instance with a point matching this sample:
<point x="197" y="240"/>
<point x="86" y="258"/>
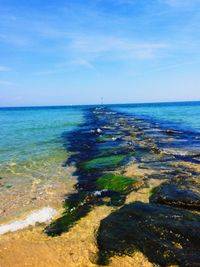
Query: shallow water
<point x="32" y="152"/>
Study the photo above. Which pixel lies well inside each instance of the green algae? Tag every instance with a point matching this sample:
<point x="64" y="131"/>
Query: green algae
<point x="115" y="182"/>
<point x="68" y="220"/>
<point x="76" y="207"/>
<point x="103" y="162"/>
<point x="104" y="138"/>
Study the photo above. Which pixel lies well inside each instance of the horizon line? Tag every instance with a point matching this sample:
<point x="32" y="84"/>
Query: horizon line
<point x="78" y="105"/>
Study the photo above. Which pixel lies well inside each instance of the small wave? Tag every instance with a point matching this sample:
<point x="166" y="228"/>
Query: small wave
<point x="39" y="216"/>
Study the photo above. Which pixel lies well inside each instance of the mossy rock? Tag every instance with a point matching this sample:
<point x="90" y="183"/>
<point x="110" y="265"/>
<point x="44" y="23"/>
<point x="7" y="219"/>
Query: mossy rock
<point x="66" y="221"/>
<point x="115" y="182"/>
<point x="104" y="162"/>
<point x="76" y="207"/>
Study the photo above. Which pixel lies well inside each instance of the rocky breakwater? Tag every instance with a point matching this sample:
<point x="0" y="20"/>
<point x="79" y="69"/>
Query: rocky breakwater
<point x="166" y="229"/>
<point x="99" y="152"/>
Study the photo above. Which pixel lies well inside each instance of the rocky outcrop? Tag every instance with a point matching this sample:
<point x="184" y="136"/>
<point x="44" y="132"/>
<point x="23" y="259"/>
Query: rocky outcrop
<point x="166" y="235"/>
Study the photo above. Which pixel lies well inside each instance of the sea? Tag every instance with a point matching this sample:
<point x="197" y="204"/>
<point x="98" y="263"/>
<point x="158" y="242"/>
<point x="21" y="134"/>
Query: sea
<point x="33" y="139"/>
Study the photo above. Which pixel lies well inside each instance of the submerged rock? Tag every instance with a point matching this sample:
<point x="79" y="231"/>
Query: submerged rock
<point x="166" y="235"/>
<point x="109" y="162"/>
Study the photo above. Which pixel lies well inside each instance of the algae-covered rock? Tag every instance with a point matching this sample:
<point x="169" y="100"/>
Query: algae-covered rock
<point x="104" y="162"/>
<point x="66" y="221"/>
<point x="76" y="206"/>
<point x="166" y="235"/>
<point x="115" y="182"/>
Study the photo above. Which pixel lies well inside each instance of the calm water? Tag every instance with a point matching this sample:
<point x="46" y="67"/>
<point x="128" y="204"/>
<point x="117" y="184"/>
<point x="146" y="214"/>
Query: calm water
<point x="31" y="138"/>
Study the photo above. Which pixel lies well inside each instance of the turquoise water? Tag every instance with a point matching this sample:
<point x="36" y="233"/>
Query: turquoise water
<point x="31" y="138"/>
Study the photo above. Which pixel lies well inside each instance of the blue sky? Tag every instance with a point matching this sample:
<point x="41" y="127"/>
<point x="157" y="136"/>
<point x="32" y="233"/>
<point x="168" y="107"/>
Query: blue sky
<point x="73" y="52"/>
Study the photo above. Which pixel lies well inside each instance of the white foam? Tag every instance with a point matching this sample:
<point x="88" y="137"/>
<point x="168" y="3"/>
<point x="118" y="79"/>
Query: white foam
<point x="39" y="216"/>
<point x="98" y="192"/>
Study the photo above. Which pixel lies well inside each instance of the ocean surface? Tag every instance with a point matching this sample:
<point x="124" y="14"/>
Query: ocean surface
<point x="31" y="138"/>
<point x="31" y="142"/>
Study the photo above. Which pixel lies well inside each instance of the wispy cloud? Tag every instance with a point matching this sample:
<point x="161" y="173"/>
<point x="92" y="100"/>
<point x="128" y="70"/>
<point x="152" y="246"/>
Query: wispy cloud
<point x="87" y="51"/>
<point x="7" y="83"/>
<point x="4" y="68"/>
<point x="82" y="63"/>
<point x="70" y="66"/>
<point x="15" y="39"/>
<point x="117" y="47"/>
<point x="181" y="3"/>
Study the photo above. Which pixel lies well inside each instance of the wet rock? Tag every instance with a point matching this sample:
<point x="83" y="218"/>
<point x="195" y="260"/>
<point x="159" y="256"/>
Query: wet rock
<point x="181" y="152"/>
<point x="158" y="166"/>
<point x="185" y="194"/>
<point x="170" y="131"/>
<point x="166" y="235"/>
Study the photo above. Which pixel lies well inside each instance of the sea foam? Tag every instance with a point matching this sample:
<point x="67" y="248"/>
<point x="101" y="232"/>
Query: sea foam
<point x="38" y="216"/>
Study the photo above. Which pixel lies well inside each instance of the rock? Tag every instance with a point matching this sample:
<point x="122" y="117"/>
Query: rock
<point x="166" y="235"/>
<point x="184" y="152"/>
<point x="185" y="195"/>
<point x="169" y="131"/>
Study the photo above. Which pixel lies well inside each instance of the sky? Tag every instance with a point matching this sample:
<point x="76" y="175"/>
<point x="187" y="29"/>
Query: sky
<point x="76" y="51"/>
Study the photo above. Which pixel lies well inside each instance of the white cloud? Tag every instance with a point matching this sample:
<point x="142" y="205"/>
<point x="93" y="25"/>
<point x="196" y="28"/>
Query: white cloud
<point x="119" y="48"/>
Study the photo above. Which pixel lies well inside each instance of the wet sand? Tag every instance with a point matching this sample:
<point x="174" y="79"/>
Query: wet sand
<point x="28" y="195"/>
